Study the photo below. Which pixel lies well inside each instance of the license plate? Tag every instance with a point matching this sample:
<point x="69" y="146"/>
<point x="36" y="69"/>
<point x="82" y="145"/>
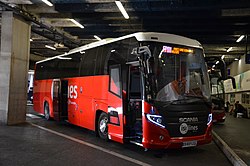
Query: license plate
<point x="189" y="144"/>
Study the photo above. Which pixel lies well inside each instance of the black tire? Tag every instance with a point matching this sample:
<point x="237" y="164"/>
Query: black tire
<point x="46" y="111"/>
<point x="103" y="126"/>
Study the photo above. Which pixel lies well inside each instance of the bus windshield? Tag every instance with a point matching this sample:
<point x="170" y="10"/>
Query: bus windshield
<point x="179" y="73"/>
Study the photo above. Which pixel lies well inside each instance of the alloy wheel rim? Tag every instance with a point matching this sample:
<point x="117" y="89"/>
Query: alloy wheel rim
<point x="103" y="125"/>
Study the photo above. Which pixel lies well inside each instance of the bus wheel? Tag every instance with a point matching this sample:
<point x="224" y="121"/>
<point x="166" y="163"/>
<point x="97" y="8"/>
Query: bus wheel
<point x="46" y="111"/>
<point x="103" y="126"/>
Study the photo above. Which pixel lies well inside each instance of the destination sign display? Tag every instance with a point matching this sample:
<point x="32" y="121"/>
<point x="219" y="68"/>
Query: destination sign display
<point x="176" y="50"/>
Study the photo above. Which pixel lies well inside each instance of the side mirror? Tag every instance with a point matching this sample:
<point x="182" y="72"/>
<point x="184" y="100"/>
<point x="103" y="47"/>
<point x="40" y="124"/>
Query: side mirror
<point x="229" y="77"/>
<point x="143" y="53"/>
<point x="222" y="66"/>
<point x="138" y="51"/>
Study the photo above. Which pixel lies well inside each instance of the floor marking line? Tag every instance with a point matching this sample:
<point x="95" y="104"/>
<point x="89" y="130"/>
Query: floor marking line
<point x="230" y="154"/>
<point x="32" y="116"/>
<point x="92" y="145"/>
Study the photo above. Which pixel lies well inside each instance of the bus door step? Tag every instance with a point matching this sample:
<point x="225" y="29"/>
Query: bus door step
<point x="136" y="143"/>
<point x="64" y="117"/>
<point x="133" y="137"/>
<point x="139" y="134"/>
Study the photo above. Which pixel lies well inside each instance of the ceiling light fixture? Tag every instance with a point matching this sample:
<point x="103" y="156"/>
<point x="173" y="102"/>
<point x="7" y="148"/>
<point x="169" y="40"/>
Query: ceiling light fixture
<point x="223" y="56"/>
<point x="31" y="39"/>
<point x="37" y="53"/>
<point x="236" y="59"/>
<point x="64" y="58"/>
<point x="213" y="66"/>
<point x="240" y="38"/>
<point x="48" y="2"/>
<point x="230" y="49"/>
<point x="97" y="37"/>
<point x="122" y="9"/>
<point x="77" y="23"/>
<point x="216" y="62"/>
<point x="61" y="45"/>
<point x="50" y="47"/>
<point x="58" y="45"/>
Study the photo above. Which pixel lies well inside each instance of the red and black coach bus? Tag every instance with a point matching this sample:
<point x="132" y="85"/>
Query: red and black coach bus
<point x="151" y="89"/>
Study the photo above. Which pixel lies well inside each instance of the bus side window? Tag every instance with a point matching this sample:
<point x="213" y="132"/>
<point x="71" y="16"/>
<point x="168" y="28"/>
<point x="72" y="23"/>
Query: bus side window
<point x="135" y="85"/>
<point x="102" y="53"/>
<point x="115" y="80"/>
<point x="88" y="63"/>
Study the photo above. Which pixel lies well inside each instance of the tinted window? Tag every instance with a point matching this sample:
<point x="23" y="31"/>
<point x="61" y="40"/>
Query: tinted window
<point x="115" y="80"/>
<point x="66" y="66"/>
<point x="69" y="66"/>
<point x="88" y="62"/>
<point x="135" y="84"/>
<point x="91" y="62"/>
<point x="47" y="70"/>
<point x="38" y="73"/>
<point x="121" y="51"/>
<point x="101" y="57"/>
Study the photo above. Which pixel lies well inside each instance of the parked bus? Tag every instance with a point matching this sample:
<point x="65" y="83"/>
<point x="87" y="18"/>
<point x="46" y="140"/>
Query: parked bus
<point x="150" y="89"/>
<point x="30" y="87"/>
<point x="217" y="77"/>
<point x="217" y="96"/>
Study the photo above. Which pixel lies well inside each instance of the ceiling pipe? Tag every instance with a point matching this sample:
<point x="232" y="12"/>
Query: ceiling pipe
<point x="247" y="61"/>
<point x="29" y="17"/>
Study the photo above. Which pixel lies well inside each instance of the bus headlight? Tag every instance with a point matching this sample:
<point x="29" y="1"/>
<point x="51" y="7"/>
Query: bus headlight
<point x="156" y="119"/>
<point x="209" y="119"/>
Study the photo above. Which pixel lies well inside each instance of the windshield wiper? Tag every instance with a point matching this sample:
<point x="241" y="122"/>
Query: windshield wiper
<point x="192" y="96"/>
<point x="162" y="103"/>
<point x="188" y="99"/>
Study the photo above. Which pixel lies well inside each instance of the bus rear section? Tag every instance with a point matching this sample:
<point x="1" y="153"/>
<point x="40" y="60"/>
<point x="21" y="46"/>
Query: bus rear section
<point x="76" y="100"/>
<point x="43" y="96"/>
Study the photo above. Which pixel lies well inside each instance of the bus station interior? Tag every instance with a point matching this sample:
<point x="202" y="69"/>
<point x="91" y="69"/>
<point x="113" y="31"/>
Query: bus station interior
<point x="32" y="30"/>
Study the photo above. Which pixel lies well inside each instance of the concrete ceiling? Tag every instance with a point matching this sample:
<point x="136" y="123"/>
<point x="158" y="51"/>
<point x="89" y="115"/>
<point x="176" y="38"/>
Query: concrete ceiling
<point x="217" y="24"/>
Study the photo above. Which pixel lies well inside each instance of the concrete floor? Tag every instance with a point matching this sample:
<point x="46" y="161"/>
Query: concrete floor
<point x="235" y="132"/>
<point x="28" y="145"/>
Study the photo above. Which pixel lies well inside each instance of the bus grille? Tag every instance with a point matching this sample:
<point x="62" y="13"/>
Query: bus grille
<point x="185" y="120"/>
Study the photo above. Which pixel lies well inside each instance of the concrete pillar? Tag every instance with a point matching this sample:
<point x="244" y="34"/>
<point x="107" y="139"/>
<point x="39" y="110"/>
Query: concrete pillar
<point x="14" y="62"/>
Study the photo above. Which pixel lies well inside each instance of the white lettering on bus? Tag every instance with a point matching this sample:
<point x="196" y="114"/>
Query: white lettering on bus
<point x="72" y="91"/>
<point x="186" y="120"/>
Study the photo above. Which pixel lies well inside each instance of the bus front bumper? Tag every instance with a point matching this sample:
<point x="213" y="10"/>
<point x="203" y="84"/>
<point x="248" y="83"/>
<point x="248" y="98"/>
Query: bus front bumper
<point x="160" y="139"/>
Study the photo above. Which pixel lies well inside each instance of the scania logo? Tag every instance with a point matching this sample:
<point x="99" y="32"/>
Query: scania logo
<point x="183" y="128"/>
<point x="192" y="119"/>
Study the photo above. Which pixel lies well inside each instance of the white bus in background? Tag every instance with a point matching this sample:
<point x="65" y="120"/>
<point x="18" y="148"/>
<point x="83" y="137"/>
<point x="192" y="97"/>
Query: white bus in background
<point x="30" y="87"/>
<point x="242" y="91"/>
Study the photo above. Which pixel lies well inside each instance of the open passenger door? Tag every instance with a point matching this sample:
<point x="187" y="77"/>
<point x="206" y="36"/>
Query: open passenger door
<point x="115" y="108"/>
<point x="56" y="99"/>
<point x="134" y="130"/>
<point x="60" y="99"/>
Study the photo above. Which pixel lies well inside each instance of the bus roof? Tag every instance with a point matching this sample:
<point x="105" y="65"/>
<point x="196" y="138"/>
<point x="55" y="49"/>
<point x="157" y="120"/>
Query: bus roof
<point x="140" y="36"/>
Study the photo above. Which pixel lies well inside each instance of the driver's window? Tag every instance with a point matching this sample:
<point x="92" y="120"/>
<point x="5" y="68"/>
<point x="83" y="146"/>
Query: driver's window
<point x="115" y="80"/>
